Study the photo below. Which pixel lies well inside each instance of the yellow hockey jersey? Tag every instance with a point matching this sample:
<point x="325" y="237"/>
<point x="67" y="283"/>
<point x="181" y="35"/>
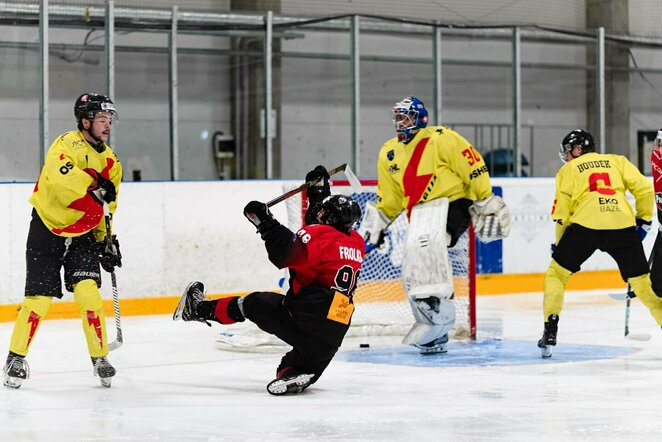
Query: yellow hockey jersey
<point x="438" y="162"/>
<point x="61" y="196"/>
<point x="591" y="191"/>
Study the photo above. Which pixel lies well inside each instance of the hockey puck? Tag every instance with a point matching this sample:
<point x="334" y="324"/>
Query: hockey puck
<point x="364" y="345"/>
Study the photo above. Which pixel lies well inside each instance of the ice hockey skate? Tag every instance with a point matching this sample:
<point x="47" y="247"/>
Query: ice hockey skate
<point x="289" y="381"/>
<point x="439" y="345"/>
<point x="548" y="340"/>
<point x="15" y="371"/>
<point x="104" y="370"/>
<point x="186" y="309"/>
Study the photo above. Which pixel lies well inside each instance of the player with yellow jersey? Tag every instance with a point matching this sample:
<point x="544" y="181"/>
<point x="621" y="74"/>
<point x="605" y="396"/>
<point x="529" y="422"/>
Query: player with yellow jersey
<point x="441" y="182"/>
<point x="80" y="174"/>
<point x="591" y="212"/>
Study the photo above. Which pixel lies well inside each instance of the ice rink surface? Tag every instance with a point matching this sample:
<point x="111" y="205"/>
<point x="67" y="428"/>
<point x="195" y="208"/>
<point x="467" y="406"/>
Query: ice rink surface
<point x="174" y="384"/>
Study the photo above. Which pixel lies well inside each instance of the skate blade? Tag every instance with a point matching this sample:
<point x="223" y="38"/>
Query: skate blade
<point x="13" y="382"/>
<point x="433" y="350"/>
<point x="291" y="385"/>
<point x="180" y="307"/>
<point x="546" y="351"/>
<point x="105" y="382"/>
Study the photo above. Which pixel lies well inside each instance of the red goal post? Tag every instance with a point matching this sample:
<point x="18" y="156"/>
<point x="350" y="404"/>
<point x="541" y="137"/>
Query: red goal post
<point x="381" y="303"/>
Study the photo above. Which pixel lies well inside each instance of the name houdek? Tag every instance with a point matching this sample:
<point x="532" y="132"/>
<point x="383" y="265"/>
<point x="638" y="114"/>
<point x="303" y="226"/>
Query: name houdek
<point x="592" y="164"/>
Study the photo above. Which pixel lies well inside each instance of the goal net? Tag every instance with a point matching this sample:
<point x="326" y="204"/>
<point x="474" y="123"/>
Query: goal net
<point x="381" y="305"/>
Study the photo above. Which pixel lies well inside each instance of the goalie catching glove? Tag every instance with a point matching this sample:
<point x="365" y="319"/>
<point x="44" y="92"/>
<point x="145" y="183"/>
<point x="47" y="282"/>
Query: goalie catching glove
<point x="491" y="218"/>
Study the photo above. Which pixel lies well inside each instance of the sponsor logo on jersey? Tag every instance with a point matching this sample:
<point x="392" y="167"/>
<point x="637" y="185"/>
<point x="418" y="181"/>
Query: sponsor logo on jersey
<point x="393" y="168"/>
<point x="390" y="155"/>
<point x="608" y="204"/>
<point x="478" y="172"/>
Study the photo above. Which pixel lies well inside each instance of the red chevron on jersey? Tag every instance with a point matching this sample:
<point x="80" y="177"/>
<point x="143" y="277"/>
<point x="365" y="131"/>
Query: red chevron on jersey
<point x="414" y="184"/>
<point x="92" y="211"/>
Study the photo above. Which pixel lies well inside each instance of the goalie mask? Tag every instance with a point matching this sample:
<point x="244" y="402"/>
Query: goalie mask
<point x="339" y="211"/>
<point x="409" y="115"/>
<point x="88" y="105"/>
<point x="578" y="137"/>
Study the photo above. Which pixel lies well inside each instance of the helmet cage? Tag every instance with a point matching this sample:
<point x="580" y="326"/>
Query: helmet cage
<point x="409" y="115"/>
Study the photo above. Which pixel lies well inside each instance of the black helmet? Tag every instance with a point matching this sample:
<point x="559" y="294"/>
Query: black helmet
<point x="87" y="105"/>
<point x="577" y="137"/>
<point x="339" y="211"/>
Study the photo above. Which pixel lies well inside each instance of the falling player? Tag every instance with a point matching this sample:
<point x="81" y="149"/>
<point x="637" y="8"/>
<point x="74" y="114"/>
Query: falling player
<point x="80" y="174"/>
<point x="591" y="212"/>
<point x="442" y="183"/>
<point x="324" y="258"/>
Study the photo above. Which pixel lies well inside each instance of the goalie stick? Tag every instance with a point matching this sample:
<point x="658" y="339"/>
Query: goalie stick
<point x="117" y="343"/>
<point x="304" y="186"/>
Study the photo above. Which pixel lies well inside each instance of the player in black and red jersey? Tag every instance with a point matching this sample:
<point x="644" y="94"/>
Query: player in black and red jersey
<point x="324" y="259"/>
<point x="656" y="163"/>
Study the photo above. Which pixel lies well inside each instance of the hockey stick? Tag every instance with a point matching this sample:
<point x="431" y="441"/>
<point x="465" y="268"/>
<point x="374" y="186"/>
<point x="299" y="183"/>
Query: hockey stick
<point x="304" y="186"/>
<point x="110" y="247"/>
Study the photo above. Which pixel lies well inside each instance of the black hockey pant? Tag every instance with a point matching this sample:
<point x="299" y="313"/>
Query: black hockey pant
<point x="308" y="354"/>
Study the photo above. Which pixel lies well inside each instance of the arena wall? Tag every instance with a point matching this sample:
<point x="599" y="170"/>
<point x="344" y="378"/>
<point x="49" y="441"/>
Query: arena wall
<point x="174" y="232"/>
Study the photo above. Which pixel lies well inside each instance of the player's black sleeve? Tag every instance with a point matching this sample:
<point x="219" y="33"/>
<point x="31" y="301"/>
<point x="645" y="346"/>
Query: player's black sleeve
<point x="280" y="244"/>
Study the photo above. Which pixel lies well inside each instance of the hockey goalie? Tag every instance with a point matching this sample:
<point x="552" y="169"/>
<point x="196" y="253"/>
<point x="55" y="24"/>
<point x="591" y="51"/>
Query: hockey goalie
<point x="442" y="184"/>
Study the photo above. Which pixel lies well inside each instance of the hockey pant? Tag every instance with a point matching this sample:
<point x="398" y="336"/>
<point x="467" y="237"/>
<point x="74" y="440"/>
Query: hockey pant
<point x="309" y="354"/>
<point x="427" y="273"/>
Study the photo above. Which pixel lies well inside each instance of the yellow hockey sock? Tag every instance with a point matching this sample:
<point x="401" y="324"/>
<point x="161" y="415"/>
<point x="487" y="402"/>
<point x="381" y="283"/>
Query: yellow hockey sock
<point x="90" y="305"/>
<point x="641" y="285"/>
<point x="556" y="279"/>
<point x="32" y="312"/>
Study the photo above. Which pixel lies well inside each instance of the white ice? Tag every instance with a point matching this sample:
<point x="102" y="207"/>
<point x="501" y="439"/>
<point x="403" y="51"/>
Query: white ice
<point x="174" y="384"/>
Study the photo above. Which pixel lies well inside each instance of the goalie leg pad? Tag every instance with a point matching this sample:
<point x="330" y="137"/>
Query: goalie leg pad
<point x="426" y="268"/>
<point x="435" y="318"/>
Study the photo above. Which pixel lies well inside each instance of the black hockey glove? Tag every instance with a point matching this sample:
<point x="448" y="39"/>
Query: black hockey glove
<point x="316" y="193"/>
<point x="109" y="254"/>
<point x="320" y="190"/>
<point x="102" y="189"/>
<point x="259" y="214"/>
